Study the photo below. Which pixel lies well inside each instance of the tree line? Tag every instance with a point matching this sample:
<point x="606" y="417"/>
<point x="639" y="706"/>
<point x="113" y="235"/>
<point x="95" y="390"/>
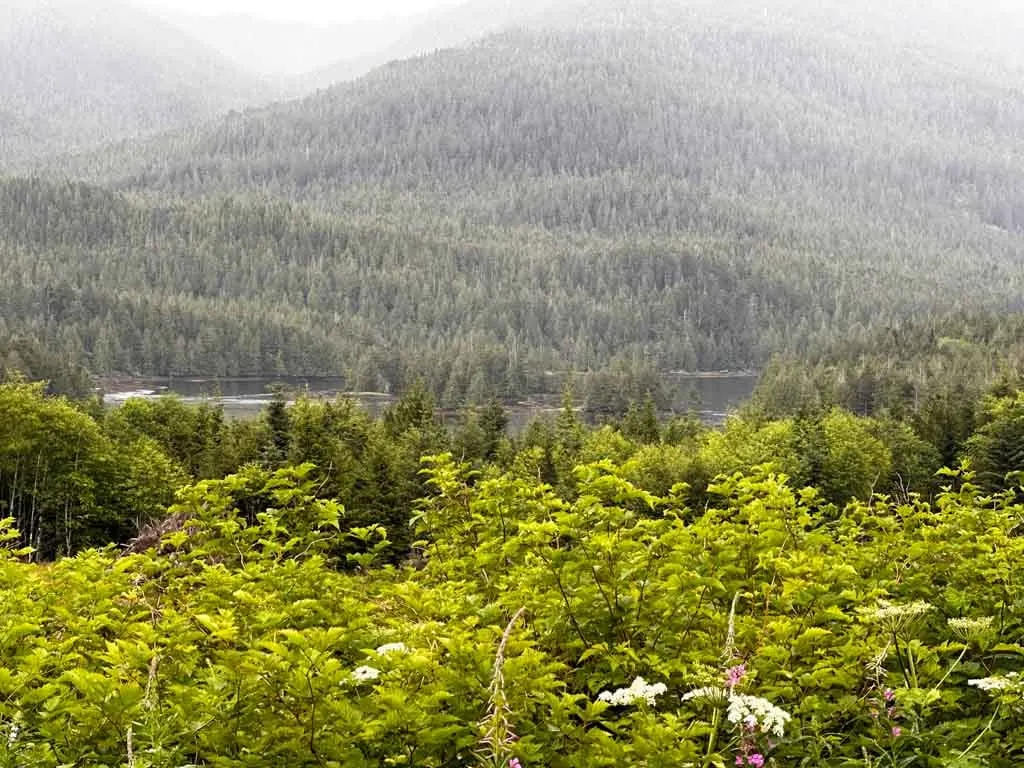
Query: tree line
<point x="74" y="475"/>
<point x="112" y="283"/>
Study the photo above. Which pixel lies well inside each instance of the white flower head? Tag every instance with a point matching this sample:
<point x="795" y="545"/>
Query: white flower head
<point x="711" y="694"/>
<point x="365" y="673"/>
<point x="638" y="691"/>
<point x="998" y="683"/>
<point x="387" y="648"/>
<point x="971" y="629"/>
<point x="895" y="617"/>
<point x="756" y="712"/>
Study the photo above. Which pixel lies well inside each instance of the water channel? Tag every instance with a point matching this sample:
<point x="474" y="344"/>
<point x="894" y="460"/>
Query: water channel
<point x="710" y="396"/>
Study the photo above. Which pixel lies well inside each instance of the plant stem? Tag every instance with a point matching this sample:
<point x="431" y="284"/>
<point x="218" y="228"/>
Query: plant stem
<point x="716" y="720"/>
<point x="913" y="667"/>
<point x="978" y="738"/>
<point x="950" y="670"/>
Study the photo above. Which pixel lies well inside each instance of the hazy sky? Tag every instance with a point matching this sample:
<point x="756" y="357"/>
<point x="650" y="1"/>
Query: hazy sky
<point x="304" y="10"/>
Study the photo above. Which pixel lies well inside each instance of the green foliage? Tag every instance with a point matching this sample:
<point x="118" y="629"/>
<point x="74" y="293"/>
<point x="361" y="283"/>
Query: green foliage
<point x="996" y="450"/>
<point x="66" y="484"/>
<point x="641" y="422"/>
<point x="198" y="438"/>
<point x="235" y="642"/>
<point x="355" y="611"/>
<point x="929" y="372"/>
<point x="855" y="462"/>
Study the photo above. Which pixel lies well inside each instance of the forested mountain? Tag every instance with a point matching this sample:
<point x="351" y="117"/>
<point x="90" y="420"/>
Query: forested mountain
<point x="230" y="288"/>
<point x="539" y="126"/>
<point x="649" y="184"/>
<point x="76" y="74"/>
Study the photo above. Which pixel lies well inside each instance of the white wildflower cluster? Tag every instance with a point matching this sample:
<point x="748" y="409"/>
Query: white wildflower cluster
<point x="711" y="694"/>
<point x="388" y="648"/>
<point x="638" y="691"/>
<point x="365" y="673"/>
<point x="1000" y="683"/>
<point x="970" y="629"/>
<point x="886" y="610"/>
<point x="12" y="734"/>
<point x="755" y="712"/>
<point x="895" y="616"/>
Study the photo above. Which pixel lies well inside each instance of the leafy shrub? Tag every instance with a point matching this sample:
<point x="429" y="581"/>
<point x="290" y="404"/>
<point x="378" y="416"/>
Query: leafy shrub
<point x="887" y="634"/>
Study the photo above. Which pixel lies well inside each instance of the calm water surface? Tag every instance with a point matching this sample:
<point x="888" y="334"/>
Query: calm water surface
<point x="712" y="397"/>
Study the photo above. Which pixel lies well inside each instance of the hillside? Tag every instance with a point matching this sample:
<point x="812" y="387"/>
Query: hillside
<point x="75" y="75"/>
<point x="118" y="284"/>
<point x="646" y="185"/>
<point x="757" y="111"/>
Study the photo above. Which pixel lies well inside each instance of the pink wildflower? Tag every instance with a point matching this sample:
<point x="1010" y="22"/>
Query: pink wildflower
<point x="896" y="731"/>
<point x="739" y="760"/>
<point x="890" y="695"/>
<point x="734" y="675"/>
<point x="756" y="760"/>
<point x="514" y="763"/>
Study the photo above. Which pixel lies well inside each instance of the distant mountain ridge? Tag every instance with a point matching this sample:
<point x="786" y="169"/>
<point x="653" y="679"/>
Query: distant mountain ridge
<point x="722" y="99"/>
<point x="75" y="75"/>
<point x="959" y="26"/>
<point x="448" y="27"/>
<point x="286" y="52"/>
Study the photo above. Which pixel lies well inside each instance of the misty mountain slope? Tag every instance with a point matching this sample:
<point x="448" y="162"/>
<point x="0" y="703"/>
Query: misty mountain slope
<point x="73" y="75"/>
<point x="984" y="37"/>
<point x="761" y="112"/>
<point x="121" y="285"/>
<point x="446" y="27"/>
<point x="638" y="186"/>
<point x="286" y="51"/>
<point x="228" y="288"/>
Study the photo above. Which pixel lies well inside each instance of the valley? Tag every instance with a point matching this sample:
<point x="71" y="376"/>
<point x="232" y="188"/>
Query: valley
<point x="653" y="384"/>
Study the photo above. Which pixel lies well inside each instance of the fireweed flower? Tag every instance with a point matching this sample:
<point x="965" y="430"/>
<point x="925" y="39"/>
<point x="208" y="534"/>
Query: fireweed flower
<point x="755" y="712"/>
<point x="364" y="673"/>
<point x="638" y="691"/>
<point x="514" y="763"/>
<point x="884" y="702"/>
<point x="734" y="675"/>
